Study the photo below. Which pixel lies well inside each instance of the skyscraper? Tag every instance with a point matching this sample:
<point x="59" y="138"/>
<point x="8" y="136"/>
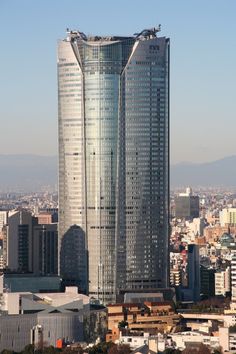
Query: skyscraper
<point x="114" y="157"/>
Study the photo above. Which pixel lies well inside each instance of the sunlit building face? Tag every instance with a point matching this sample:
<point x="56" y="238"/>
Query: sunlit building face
<point x="114" y="162"/>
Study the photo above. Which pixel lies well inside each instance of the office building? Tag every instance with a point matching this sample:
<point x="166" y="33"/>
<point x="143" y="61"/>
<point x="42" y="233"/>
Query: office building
<point x="18" y="241"/>
<point x="207" y="276"/>
<point x="29" y="246"/>
<point x="191" y="292"/>
<point x="187" y="205"/>
<point x="114" y="158"/>
<point x="45" y="250"/>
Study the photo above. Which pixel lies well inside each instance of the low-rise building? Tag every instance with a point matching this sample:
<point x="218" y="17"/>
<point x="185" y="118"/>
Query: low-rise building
<point x="151" y="317"/>
<point x="42" y="318"/>
<point x="182" y="339"/>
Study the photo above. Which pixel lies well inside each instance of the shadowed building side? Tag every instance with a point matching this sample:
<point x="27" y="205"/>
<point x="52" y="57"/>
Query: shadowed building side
<point x="73" y="258"/>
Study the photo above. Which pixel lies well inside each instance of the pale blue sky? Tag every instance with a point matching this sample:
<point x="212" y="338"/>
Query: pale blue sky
<point x="203" y="68"/>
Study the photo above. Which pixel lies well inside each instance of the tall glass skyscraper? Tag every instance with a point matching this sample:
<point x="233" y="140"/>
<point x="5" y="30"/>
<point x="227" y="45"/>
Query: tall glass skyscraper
<point x="114" y="161"/>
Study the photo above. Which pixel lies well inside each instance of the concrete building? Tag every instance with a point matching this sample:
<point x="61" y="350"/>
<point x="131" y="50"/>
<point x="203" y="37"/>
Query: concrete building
<point x="41" y="319"/>
<point x="184" y="339"/>
<point x="228" y="217"/>
<point x="222" y="282"/>
<point x="18" y="241"/>
<point x="191" y="292"/>
<point x="196" y="227"/>
<point x="233" y="276"/>
<point x="187" y="205"/>
<point x="3" y="221"/>
<point x="114" y="158"/>
<point x="28" y="246"/>
<point x="175" y="277"/>
<point x="148" y="317"/>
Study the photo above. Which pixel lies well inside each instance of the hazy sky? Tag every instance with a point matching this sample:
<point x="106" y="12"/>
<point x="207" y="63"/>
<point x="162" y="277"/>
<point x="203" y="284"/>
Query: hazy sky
<point x="203" y="68"/>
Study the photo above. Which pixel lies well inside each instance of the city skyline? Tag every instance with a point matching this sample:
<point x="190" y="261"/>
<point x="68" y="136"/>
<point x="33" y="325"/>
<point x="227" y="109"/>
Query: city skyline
<point x="202" y="70"/>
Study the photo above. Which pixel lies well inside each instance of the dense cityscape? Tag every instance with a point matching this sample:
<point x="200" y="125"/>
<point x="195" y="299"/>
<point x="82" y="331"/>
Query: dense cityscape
<point x="112" y="258"/>
<point x="199" y="307"/>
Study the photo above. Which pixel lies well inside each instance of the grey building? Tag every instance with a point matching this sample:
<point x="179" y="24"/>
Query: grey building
<point x="187" y="205"/>
<point x="45" y="250"/>
<point x="18" y="241"/>
<point x="41" y="319"/>
<point x="114" y="158"/>
<point x="191" y="292"/>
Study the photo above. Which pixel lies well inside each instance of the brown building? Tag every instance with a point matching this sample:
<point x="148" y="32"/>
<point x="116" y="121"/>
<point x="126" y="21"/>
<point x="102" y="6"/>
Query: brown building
<point x="149" y="317"/>
<point x="213" y="233"/>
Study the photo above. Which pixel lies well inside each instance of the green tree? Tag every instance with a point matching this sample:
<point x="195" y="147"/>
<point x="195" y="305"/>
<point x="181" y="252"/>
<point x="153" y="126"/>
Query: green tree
<point x="50" y="350"/>
<point x="119" y="349"/>
<point x="28" y="349"/>
<point x="102" y="347"/>
<point x="171" y="351"/>
<point x="7" y="351"/>
<point x="122" y="324"/>
<point x="201" y="349"/>
<point x="217" y="350"/>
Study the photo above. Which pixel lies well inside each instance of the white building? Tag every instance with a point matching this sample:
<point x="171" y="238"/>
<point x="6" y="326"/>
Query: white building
<point x="182" y="339"/>
<point x="222" y="282"/>
<point x="228" y="216"/>
<point x="196" y="227"/>
<point x="233" y="276"/>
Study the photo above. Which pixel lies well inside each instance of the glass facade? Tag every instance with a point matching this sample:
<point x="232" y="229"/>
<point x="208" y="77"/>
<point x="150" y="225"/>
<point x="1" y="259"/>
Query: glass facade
<point x="114" y="158"/>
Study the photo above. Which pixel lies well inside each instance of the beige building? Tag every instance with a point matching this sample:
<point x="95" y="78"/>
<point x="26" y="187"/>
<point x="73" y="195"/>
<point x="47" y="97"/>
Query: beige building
<point x="149" y="317"/>
<point x="228" y="216"/>
<point x="222" y="282"/>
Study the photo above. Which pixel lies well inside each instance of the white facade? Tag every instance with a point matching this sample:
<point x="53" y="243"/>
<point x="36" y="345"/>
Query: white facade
<point x="233" y="277"/>
<point x="183" y="338"/>
<point x="228" y="216"/>
<point x="17" y="303"/>
<point x="222" y="282"/>
<point x="196" y="227"/>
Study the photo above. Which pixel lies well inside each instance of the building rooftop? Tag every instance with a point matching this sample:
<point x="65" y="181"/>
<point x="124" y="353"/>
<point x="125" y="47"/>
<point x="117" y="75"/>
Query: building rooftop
<point x="144" y="34"/>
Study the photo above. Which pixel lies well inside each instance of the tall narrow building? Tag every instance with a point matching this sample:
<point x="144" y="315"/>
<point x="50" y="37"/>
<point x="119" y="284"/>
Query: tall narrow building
<point x="114" y="159"/>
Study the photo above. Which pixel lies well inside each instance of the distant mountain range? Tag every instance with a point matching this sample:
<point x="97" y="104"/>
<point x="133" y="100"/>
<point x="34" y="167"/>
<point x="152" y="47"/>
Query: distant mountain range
<point x="220" y="173"/>
<point x="27" y="173"/>
<point x="32" y="173"/>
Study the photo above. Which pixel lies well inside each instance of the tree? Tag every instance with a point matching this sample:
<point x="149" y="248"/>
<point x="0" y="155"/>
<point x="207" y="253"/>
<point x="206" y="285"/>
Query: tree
<point x="50" y="350"/>
<point x="76" y="350"/>
<point x="171" y="351"/>
<point x="102" y="347"/>
<point x="6" y="351"/>
<point x="28" y="349"/>
<point x="200" y="349"/>
<point x="217" y="350"/>
<point x="119" y="349"/>
<point x="122" y="324"/>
